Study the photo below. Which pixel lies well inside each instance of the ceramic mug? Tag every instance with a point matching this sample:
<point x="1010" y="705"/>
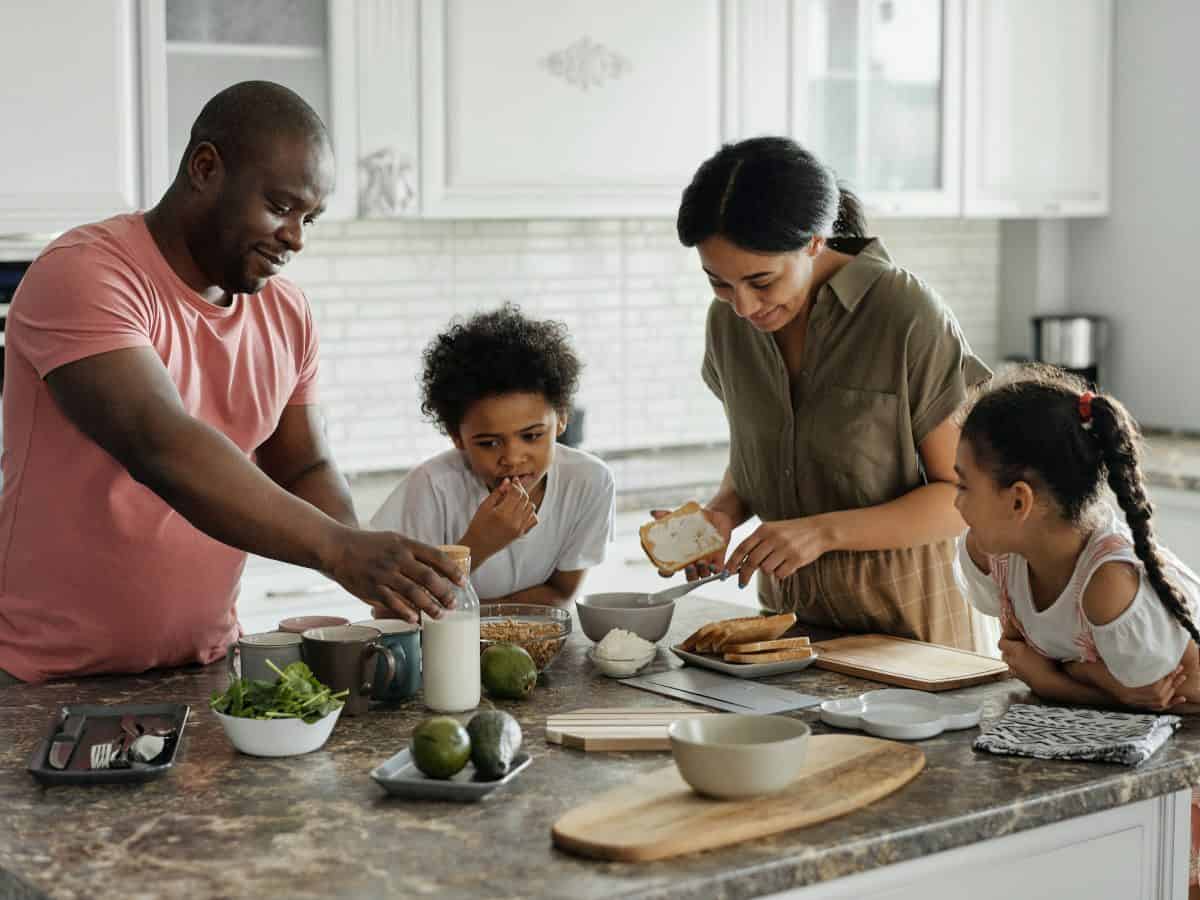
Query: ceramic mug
<point x="344" y="657"/>
<point x="403" y="639"/>
<point x="301" y="624"/>
<point x="248" y="657"/>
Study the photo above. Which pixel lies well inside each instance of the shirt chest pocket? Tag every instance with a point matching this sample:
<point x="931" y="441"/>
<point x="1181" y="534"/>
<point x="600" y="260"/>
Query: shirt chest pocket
<point x="855" y="435"/>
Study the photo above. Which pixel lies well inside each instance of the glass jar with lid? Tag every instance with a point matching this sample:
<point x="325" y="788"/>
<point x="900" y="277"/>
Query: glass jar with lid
<point x="450" y="645"/>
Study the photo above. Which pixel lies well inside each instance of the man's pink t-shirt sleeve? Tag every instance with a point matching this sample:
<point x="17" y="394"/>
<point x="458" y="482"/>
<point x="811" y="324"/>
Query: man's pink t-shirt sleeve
<point x="306" y="385"/>
<point x="79" y="304"/>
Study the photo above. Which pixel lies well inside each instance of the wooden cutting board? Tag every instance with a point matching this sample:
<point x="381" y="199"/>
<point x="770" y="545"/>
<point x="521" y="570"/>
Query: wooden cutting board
<point x="907" y="663"/>
<point x="593" y="730"/>
<point x="658" y="816"/>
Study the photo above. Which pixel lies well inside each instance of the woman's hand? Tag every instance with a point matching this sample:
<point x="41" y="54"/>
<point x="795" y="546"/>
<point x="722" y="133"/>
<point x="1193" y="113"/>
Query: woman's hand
<point x="1026" y="663"/>
<point x="779" y="549"/>
<point x="714" y="562"/>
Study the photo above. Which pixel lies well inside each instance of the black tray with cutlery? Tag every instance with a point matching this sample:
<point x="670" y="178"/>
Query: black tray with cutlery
<point x="98" y="744"/>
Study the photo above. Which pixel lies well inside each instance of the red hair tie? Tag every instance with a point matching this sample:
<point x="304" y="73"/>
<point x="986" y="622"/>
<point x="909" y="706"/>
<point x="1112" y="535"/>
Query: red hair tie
<point x="1085" y="407"/>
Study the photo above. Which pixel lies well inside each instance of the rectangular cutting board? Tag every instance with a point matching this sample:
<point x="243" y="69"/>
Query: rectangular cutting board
<point x="907" y="663"/>
<point x="607" y="730"/>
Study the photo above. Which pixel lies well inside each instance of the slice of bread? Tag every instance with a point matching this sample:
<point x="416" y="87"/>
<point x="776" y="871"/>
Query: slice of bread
<point x="795" y="643"/>
<point x="680" y="538"/>
<point x="762" y="628"/>
<point x="772" y="656"/>
<point x="701" y="634"/>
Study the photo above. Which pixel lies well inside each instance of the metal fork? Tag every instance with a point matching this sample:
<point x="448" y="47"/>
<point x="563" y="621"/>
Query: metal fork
<point x="103" y="754"/>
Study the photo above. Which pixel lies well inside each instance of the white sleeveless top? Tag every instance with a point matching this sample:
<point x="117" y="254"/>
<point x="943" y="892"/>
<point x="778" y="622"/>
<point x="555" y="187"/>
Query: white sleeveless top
<point x="1140" y="646"/>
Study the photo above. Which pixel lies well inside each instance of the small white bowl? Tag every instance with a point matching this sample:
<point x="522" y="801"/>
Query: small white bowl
<point x="620" y="668"/>
<point x="732" y="756"/>
<point x="277" y="737"/>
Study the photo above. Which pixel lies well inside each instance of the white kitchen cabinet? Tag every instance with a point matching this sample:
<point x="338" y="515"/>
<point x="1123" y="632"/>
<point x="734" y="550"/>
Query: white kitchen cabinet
<point x="878" y="86"/>
<point x="572" y="107"/>
<point x="1138" y="851"/>
<point x="192" y="49"/>
<point x="69" y="102"/>
<point x="1038" y="108"/>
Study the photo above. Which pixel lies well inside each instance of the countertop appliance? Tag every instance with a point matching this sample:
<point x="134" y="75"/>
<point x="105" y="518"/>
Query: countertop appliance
<point x="1075" y="342"/>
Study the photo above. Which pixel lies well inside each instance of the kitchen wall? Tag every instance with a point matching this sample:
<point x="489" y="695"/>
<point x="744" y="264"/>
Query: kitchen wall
<point x="635" y="302"/>
<point x="1137" y="266"/>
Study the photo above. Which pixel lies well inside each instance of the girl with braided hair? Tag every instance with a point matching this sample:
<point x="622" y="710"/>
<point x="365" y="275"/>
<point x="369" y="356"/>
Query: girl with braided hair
<point x="1092" y="609"/>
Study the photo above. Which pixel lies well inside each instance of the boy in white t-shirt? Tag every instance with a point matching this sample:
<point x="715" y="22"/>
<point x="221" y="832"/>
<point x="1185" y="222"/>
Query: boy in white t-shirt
<point x="536" y="515"/>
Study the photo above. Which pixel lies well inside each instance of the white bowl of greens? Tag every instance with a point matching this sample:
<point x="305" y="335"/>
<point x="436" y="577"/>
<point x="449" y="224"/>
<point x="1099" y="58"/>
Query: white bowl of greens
<point x="293" y="715"/>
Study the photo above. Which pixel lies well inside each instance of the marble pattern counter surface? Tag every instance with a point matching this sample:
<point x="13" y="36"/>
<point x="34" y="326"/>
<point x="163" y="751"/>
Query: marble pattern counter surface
<point x="226" y="825"/>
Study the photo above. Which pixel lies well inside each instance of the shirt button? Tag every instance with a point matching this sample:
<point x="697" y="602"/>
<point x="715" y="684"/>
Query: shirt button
<point x="787" y="472"/>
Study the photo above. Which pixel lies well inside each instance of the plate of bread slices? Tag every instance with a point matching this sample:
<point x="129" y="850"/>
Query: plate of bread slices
<point x="748" y="647"/>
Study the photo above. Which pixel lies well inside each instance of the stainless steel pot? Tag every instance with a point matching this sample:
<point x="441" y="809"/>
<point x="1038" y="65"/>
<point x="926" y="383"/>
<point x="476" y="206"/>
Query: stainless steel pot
<point x="1070" y="341"/>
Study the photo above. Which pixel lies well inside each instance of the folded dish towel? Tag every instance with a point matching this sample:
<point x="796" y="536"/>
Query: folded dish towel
<point x="1056" y="732"/>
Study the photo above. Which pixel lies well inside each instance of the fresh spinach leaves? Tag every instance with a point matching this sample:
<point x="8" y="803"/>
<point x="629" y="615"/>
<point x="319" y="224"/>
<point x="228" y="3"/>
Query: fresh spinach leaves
<point x="296" y="695"/>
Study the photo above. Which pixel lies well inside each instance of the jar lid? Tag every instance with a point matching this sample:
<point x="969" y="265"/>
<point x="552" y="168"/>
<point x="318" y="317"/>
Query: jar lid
<point x="456" y="551"/>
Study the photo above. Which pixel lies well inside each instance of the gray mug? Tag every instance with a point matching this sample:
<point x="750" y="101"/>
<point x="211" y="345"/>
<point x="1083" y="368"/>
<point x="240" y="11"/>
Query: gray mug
<point x="403" y="639"/>
<point x="248" y="657"/>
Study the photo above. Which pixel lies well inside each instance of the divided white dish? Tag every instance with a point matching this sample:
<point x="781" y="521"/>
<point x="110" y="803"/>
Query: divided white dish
<point x="901" y="714"/>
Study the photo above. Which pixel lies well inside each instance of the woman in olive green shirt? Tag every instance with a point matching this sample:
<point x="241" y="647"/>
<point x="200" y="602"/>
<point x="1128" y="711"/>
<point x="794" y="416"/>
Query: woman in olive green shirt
<point x="839" y="373"/>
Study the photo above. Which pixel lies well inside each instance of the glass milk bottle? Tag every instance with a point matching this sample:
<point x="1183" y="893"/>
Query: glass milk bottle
<point x="450" y="646"/>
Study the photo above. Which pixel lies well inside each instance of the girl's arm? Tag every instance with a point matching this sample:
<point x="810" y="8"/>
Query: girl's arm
<point x="560" y="588"/>
<point x="1166" y="693"/>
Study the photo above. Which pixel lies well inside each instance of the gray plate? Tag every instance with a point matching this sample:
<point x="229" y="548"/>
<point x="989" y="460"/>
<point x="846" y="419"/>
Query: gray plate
<point x="400" y="776"/>
<point x="743" y="670"/>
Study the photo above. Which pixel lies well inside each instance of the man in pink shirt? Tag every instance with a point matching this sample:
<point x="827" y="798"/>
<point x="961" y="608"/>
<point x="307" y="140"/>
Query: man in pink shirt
<point x="160" y="416"/>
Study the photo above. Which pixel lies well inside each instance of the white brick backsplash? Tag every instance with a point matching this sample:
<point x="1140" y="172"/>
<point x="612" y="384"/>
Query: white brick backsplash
<point x="634" y="301"/>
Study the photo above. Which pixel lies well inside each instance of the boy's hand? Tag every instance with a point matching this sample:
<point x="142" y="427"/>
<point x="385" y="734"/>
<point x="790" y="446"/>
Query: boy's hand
<point x="503" y="516"/>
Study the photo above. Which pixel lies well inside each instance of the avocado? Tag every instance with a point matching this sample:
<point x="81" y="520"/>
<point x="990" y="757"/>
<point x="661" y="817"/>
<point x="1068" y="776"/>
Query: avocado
<point x="508" y="671"/>
<point x="440" y="747"/>
<point x="495" y="740"/>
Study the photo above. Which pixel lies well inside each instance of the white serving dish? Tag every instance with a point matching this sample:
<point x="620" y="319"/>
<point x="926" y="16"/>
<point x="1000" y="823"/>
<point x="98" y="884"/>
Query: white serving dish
<point x="732" y="756"/>
<point x="901" y="714"/>
<point x="277" y="737"/>
<point x="743" y="670"/>
<point x="620" y="668"/>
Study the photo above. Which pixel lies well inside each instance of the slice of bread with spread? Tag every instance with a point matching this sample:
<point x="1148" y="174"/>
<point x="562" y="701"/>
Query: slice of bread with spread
<point x="680" y="538"/>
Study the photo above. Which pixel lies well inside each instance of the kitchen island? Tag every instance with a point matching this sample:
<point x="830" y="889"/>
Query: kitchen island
<point x="226" y="825"/>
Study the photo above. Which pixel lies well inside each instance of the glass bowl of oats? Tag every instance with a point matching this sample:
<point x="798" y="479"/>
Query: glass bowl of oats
<point x="541" y="630"/>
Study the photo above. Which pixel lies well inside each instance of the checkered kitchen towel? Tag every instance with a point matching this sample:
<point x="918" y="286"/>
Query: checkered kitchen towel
<point x="1057" y="732"/>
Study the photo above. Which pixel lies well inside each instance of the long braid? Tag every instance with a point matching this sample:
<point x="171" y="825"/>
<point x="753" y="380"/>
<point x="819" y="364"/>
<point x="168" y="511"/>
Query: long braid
<point x="1118" y="442"/>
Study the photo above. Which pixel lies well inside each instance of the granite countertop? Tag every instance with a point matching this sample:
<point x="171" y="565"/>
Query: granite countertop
<point x="226" y="825"/>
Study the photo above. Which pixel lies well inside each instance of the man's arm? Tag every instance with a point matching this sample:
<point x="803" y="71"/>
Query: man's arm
<point x="125" y="401"/>
<point x="297" y="458"/>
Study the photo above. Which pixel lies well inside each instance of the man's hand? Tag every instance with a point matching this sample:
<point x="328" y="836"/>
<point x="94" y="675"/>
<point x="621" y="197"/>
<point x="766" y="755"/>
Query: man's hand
<point x="1026" y="663"/>
<point x="398" y="577"/>
<point x="779" y="549"/>
<point x="714" y="562"/>
<point x="504" y="515"/>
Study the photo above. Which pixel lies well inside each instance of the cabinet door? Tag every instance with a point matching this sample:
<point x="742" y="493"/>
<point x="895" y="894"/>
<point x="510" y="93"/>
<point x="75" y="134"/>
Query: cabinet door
<point x="68" y="100"/>
<point x="1038" y="100"/>
<point x="193" y="49"/>
<point x="568" y="107"/>
<point x="878" y="87"/>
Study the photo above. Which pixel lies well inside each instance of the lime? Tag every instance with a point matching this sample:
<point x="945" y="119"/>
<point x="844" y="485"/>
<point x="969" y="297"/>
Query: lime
<point x="440" y="747"/>
<point x="507" y="671"/>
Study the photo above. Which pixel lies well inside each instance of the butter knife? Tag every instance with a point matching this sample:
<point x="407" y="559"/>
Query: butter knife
<point x="63" y="744"/>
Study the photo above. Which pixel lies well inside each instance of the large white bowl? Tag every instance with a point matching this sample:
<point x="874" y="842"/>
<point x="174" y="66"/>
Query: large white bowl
<point x="733" y="756"/>
<point x="601" y="613"/>
<point x="277" y="737"/>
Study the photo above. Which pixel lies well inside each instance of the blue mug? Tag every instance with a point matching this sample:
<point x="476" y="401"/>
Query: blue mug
<point x="403" y="639"/>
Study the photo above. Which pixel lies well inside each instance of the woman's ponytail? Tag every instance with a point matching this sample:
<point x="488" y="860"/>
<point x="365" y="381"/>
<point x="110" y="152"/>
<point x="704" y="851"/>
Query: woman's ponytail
<point x="1117" y="437"/>
<point x="851" y="218"/>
